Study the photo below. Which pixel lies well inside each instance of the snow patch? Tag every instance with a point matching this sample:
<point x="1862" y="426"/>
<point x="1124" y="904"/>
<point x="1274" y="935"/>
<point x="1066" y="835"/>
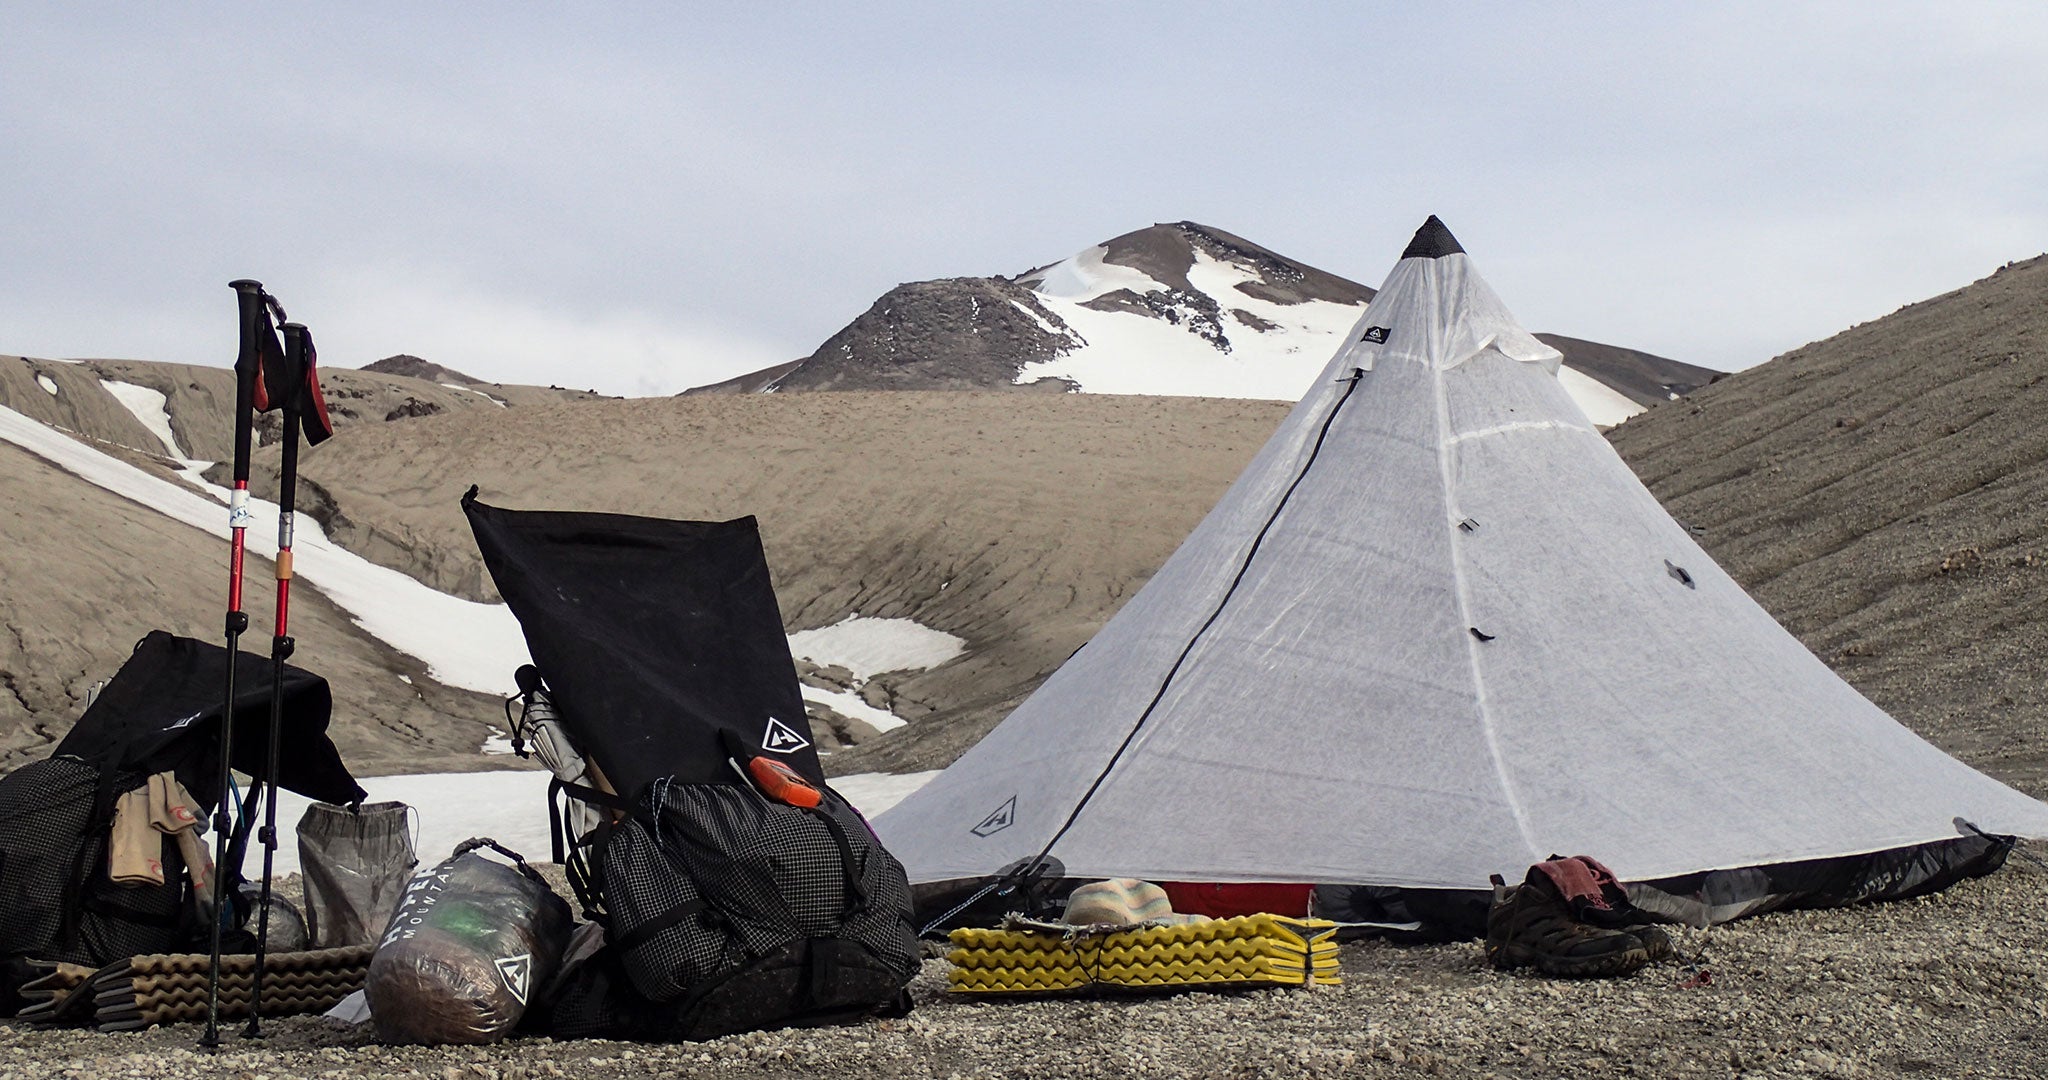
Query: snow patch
<point x="1128" y="353"/>
<point x="868" y="646"/>
<point x="873" y="792"/>
<point x="1085" y="277"/>
<point x="1039" y="319"/>
<point x="1602" y="404"/>
<point x="1123" y="352"/>
<point x="499" y="402"/>
<point x="152" y="409"/>
<point x="464" y="644"/>
<point x="853" y="708"/>
<point x="48" y="384"/>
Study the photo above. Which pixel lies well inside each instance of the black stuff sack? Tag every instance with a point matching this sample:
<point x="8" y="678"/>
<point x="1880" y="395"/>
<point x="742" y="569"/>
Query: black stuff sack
<point x="471" y="941"/>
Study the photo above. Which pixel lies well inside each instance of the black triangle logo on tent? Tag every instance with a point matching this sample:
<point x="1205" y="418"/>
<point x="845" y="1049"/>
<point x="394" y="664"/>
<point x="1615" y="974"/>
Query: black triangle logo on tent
<point x="780" y="738"/>
<point x="1004" y="816"/>
<point x="1377" y="335"/>
<point x="517" y="971"/>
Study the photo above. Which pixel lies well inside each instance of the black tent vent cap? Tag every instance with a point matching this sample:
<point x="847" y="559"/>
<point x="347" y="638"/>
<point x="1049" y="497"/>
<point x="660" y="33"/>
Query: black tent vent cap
<point x="1480" y="634"/>
<point x="1432" y="241"/>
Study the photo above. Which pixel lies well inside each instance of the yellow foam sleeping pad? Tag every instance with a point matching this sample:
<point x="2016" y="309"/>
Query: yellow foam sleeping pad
<point x="1250" y="950"/>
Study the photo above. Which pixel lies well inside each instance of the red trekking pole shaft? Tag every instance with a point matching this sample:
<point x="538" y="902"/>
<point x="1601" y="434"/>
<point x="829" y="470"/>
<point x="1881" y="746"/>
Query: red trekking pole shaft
<point x="254" y="321"/>
<point x="298" y="352"/>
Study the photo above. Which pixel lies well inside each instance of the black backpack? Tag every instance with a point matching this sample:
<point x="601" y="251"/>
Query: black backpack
<point x="726" y="909"/>
<point x="160" y="713"/>
<point x="57" y="901"/>
<point x="729" y="911"/>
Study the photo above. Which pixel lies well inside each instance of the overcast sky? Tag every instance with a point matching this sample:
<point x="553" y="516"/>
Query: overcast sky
<point x="640" y="198"/>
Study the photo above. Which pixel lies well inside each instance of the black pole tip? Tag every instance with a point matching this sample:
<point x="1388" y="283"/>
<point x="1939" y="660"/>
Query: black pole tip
<point x="246" y="285"/>
<point x="1432" y="241"/>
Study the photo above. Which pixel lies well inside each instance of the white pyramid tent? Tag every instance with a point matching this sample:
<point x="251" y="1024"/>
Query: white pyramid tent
<point x="1438" y="630"/>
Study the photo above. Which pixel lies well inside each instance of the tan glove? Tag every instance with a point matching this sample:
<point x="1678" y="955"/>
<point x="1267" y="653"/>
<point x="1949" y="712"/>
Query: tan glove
<point x="170" y="805"/>
<point x="134" y="850"/>
<point x="172" y="811"/>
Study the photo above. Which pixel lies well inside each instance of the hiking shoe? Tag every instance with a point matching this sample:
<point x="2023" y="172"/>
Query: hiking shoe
<point x="1531" y="926"/>
<point x="1594" y="896"/>
<point x="1655" y="941"/>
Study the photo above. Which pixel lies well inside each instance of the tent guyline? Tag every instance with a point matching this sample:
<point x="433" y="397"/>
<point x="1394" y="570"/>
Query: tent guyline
<point x="1030" y="868"/>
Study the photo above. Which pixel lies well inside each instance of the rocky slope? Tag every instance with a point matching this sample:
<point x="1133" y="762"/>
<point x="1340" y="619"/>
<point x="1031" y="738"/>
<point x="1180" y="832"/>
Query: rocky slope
<point x="1019" y="523"/>
<point x="1883" y="492"/>
<point x="74" y="395"/>
<point x="87" y="573"/>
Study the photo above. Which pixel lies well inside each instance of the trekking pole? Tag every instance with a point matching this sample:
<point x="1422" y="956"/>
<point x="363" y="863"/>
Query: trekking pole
<point x="298" y="360"/>
<point x="249" y="297"/>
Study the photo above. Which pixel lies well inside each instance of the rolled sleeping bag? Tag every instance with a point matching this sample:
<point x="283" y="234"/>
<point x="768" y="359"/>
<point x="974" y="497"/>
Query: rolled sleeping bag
<point x="471" y="941"/>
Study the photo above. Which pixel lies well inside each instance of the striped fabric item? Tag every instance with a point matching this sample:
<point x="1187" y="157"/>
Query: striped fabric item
<point x="1120" y="902"/>
<point x="1253" y="950"/>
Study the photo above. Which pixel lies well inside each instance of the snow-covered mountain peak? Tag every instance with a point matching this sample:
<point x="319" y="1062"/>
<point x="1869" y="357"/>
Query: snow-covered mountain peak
<point x="1179" y="309"/>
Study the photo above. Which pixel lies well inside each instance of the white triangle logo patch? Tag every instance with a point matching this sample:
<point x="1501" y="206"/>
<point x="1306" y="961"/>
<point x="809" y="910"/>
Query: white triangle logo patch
<point x="517" y="971"/>
<point x="1003" y="817"/>
<point x="780" y="738"/>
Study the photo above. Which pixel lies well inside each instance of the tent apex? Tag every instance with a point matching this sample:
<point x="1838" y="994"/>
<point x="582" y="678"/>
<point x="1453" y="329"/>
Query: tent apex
<point x="1432" y="241"/>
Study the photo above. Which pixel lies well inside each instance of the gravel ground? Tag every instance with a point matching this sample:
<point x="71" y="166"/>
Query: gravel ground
<point x="1951" y="985"/>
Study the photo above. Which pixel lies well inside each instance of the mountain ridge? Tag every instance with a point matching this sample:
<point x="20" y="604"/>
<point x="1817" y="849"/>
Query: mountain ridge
<point x="1025" y="332"/>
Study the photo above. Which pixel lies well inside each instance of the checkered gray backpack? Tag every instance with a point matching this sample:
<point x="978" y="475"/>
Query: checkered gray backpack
<point x="728" y="911"/>
<point x="56" y="900"/>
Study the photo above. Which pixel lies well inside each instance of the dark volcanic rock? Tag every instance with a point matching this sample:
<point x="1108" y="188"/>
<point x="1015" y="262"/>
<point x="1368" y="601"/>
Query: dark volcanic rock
<point x="1166" y="253"/>
<point x="413" y="366"/>
<point x="951" y="334"/>
<point x="412" y="407"/>
<point x="1197" y="312"/>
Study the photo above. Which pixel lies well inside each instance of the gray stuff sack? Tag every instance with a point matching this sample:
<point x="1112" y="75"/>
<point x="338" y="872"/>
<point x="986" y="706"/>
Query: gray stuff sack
<point x="355" y="865"/>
